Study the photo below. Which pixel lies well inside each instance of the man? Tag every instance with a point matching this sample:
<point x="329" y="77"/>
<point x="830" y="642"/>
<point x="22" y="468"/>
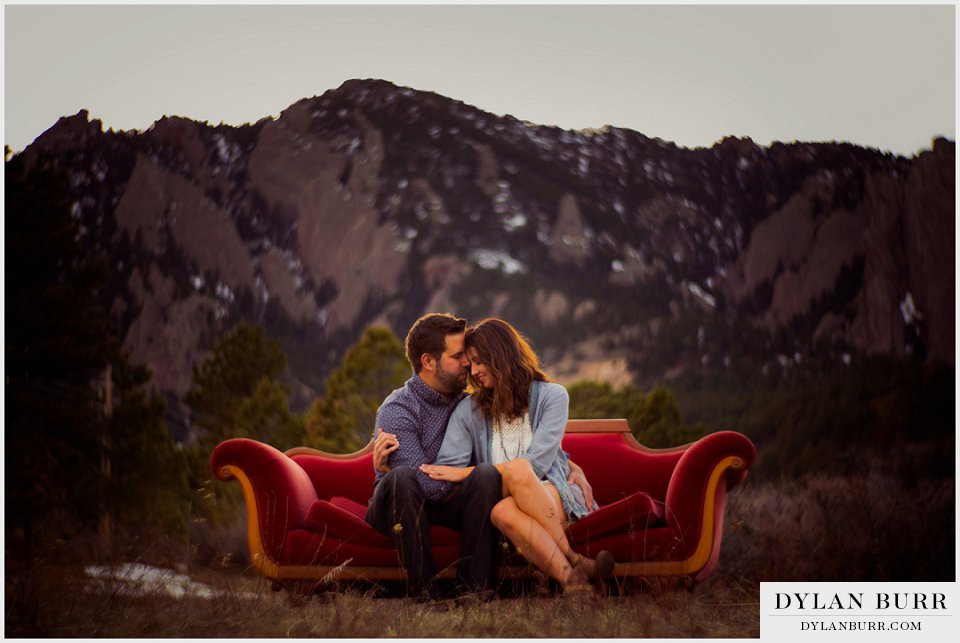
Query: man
<point x="406" y="501"/>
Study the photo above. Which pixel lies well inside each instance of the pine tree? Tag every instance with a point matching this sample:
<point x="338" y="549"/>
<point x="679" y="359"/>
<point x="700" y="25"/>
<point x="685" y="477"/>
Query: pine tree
<point x="147" y="487"/>
<point x="342" y="421"/>
<point x="654" y="417"/>
<point x="265" y="416"/>
<point x="242" y="371"/>
<point x="59" y="341"/>
<point x="236" y="393"/>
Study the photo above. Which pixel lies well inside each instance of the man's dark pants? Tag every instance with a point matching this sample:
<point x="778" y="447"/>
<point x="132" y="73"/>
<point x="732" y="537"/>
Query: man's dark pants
<point x="399" y="499"/>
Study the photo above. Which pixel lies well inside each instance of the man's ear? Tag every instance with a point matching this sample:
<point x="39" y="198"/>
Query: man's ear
<point x="428" y="362"/>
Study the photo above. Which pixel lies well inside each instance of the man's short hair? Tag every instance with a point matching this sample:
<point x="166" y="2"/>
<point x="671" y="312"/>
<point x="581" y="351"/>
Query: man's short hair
<point x="429" y="335"/>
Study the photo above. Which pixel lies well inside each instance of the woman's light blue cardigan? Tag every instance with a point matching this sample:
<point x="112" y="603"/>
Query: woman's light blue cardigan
<point x="469" y="436"/>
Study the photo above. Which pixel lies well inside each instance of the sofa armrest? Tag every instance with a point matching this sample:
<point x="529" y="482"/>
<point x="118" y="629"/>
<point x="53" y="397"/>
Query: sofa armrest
<point x="277" y="491"/>
<point x="706" y="470"/>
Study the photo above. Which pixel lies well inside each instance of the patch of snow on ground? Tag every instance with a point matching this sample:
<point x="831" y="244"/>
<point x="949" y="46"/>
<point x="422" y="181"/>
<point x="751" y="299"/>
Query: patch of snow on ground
<point x="136" y="579"/>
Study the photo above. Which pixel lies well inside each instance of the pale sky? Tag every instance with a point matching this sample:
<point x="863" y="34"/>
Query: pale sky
<point x="878" y="76"/>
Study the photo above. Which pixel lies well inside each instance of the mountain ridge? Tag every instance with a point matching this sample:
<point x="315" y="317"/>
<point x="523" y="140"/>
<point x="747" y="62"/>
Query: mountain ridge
<point x="618" y="254"/>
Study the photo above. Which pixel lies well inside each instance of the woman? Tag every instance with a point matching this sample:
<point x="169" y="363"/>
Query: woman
<point x="515" y="419"/>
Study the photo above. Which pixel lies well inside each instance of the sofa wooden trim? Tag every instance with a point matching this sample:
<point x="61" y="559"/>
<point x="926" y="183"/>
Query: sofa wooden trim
<point x="258" y="556"/>
<point x="695" y="563"/>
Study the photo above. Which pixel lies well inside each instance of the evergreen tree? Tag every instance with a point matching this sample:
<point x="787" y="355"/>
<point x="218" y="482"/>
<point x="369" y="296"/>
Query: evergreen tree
<point x="59" y="341"/>
<point x="240" y="373"/>
<point x="147" y="486"/>
<point x="342" y="421"/>
<point x="654" y="417"/>
<point x="236" y="393"/>
<point x="659" y="423"/>
<point x="265" y="416"/>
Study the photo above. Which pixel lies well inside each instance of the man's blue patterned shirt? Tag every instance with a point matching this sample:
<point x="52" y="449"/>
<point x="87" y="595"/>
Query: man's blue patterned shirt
<point x="418" y="416"/>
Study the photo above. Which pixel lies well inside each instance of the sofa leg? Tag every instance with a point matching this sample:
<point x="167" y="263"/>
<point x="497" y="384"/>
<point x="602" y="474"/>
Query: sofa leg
<point x="312" y="589"/>
<point x="295" y="591"/>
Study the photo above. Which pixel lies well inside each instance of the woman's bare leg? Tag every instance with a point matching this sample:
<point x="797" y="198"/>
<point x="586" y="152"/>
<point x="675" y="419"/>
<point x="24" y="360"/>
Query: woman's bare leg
<point x="538" y="501"/>
<point x="531" y="539"/>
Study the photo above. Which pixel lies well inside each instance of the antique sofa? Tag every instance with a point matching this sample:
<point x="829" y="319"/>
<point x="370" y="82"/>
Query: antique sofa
<point x="661" y="510"/>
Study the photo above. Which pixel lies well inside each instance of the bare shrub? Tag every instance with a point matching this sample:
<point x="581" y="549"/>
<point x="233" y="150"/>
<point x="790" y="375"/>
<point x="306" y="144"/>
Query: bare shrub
<point x="867" y="527"/>
<point x="221" y="546"/>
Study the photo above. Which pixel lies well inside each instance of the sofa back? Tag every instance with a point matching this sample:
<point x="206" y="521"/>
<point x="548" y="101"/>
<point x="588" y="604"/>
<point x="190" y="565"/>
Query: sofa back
<point x="348" y="476"/>
<point x="615" y="465"/>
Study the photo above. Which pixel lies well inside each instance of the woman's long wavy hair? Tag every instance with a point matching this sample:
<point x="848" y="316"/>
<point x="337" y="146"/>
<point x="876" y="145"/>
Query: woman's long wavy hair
<point x="512" y="363"/>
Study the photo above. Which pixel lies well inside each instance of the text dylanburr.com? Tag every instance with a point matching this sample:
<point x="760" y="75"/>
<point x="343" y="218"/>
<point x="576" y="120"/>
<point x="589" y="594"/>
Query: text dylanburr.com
<point x="858" y="611"/>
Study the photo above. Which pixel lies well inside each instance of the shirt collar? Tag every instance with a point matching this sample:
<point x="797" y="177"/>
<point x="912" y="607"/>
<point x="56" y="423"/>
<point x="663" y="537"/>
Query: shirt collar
<point x="427" y="394"/>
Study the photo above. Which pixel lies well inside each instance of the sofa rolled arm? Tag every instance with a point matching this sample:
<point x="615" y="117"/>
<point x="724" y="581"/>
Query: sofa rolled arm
<point x="707" y="469"/>
<point x="277" y="492"/>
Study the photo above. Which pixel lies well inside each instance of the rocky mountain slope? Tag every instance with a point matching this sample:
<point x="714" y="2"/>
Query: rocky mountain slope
<point x="622" y="257"/>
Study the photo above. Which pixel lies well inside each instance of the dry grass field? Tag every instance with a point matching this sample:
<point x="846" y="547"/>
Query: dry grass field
<point x="864" y="527"/>
<point x="54" y="603"/>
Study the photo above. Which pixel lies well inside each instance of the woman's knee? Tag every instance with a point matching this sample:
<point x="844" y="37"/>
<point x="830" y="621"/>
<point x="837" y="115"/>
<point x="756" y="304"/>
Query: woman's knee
<point x="518" y="471"/>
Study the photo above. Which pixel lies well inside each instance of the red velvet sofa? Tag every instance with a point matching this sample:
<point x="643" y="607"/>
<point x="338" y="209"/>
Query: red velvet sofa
<point x="661" y="510"/>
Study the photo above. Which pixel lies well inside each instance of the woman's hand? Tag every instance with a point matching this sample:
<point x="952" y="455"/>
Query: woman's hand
<point x="579" y="478"/>
<point x="442" y="472"/>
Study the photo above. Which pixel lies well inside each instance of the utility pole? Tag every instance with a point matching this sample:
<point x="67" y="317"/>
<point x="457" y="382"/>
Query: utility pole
<point x="105" y="458"/>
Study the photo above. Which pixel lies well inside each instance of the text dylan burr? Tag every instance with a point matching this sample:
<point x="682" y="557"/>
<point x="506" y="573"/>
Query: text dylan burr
<point x="856" y="601"/>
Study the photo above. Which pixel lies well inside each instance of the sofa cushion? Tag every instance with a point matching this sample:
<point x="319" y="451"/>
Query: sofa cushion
<point x="347" y="504"/>
<point x="656" y="543"/>
<point x="307" y="547"/>
<point x="336" y="522"/>
<point x="345" y="520"/>
<point x="635" y="512"/>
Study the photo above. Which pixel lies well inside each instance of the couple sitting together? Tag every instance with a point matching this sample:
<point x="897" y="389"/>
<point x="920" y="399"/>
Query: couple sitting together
<point x="478" y="463"/>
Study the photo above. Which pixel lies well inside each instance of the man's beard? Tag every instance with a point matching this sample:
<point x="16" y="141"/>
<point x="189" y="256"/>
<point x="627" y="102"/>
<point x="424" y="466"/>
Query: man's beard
<point x="452" y="382"/>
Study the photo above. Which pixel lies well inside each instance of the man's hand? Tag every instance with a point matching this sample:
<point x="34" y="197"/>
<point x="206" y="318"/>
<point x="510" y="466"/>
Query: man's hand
<point x="577" y="476"/>
<point x="442" y="472"/>
<point x="383" y="446"/>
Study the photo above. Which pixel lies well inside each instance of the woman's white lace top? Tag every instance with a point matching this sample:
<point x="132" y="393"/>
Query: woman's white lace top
<point x="511" y="439"/>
